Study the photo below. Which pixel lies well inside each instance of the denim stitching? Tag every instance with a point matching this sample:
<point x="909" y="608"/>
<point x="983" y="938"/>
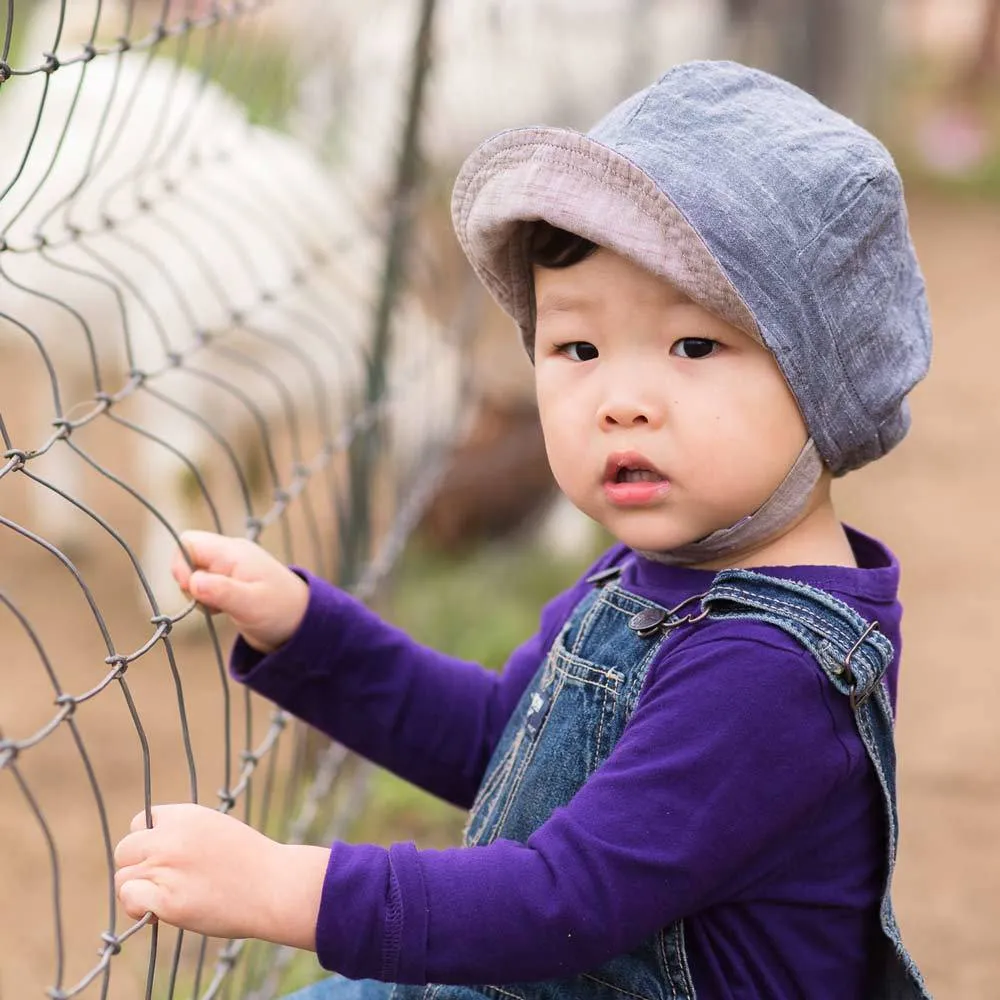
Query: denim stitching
<point x="686" y="968"/>
<point x="515" y="771"/>
<point x="792" y="611"/>
<point x="666" y="964"/>
<point x="603" y="673"/>
<point x="803" y="591"/>
<point x="848" y="618"/>
<point x="505" y="993"/>
<point x="515" y="783"/>
<point x="484" y="809"/>
<point x="612" y="986"/>
<point x="498" y="773"/>
<point x="529" y="756"/>
<point x="587" y="620"/>
<point x="785" y="608"/>
<point x="599" y="754"/>
<point x="866" y="677"/>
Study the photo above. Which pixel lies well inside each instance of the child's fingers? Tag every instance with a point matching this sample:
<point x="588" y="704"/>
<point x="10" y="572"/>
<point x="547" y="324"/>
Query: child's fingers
<point x="223" y="593"/>
<point x="139" y="896"/>
<point x="180" y="570"/>
<point x="133" y="848"/>
<point x="212" y="552"/>
<point x="139" y="820"/>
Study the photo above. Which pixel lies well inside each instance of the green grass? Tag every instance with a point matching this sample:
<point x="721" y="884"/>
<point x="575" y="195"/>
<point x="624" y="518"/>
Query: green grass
<point x="481" y="605"/>
<point x="478" y="607"/>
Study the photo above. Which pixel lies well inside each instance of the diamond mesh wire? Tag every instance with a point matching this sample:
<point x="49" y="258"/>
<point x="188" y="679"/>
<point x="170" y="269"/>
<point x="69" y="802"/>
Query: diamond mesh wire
<point x="202" y="324"/>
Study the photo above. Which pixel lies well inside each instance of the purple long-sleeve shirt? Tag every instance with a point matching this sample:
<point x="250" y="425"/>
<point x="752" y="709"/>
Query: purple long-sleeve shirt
<point x="738" y="798"/>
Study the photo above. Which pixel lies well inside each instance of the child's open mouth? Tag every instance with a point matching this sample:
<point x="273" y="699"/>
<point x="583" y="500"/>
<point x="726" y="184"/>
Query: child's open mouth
<point x="631" y="480"/>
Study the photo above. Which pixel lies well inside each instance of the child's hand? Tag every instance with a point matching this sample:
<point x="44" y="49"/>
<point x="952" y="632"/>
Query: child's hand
<point x="207" y="872"/>
<point x="263" y="597"/>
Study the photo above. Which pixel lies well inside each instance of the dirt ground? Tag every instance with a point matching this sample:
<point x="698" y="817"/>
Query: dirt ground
<point x="934" y="501"/>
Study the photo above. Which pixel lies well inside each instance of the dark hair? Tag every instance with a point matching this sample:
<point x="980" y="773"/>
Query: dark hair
<point x="549" y="246"/>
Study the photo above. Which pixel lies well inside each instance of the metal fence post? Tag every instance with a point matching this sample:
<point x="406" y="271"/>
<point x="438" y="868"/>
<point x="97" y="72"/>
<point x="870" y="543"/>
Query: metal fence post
<point x="356" y="532"/>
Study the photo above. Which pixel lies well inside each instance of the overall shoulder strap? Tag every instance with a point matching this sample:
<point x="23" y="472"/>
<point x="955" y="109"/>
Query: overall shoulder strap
<point x="851" y="651"/>
<point x="854" y="655"/>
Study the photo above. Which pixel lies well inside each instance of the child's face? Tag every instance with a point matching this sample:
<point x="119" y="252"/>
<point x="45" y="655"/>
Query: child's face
<point x="661" y="421"/>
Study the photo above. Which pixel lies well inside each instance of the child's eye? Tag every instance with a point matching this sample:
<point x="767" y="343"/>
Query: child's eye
<point x="694" y="348"/>
<point x="578" y="350"/>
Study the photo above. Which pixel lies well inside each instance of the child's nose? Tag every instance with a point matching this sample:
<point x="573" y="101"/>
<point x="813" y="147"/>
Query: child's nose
<point x="627" y="411"/>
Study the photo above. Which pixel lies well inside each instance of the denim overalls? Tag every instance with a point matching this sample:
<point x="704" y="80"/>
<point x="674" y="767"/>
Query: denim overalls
<point x="576" y="709"/>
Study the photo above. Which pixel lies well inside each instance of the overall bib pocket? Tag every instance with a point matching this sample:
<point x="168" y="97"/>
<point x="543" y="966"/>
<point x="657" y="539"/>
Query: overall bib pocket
<point x="565" y="725"/>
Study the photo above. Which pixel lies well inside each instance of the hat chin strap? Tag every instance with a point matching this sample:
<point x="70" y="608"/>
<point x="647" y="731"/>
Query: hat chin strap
<point x="780" y="510"/>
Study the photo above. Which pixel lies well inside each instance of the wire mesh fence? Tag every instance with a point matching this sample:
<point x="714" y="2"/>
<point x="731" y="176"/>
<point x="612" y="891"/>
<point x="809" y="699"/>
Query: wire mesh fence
<point x="222" y="306"/>
<point x="204" y="322"/>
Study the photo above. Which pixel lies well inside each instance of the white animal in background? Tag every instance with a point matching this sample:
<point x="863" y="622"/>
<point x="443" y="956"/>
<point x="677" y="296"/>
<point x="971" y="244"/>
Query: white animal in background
<point x="495" y="64"/>
<point x="151" y="234"/>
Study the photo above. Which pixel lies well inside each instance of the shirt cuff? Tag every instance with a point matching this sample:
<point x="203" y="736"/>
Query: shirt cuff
<point x="373" y="919"/>
<point x="298" y="655"/>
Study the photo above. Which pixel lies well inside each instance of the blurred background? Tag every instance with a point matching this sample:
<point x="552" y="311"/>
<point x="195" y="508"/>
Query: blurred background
<point x="375" y="105"/>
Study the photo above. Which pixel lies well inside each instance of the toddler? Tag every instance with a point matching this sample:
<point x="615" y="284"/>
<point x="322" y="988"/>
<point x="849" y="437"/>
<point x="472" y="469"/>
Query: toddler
<point x="684" y="784"/>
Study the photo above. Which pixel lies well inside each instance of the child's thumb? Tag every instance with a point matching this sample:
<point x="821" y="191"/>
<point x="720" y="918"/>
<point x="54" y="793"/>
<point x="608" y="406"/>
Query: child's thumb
<point x="139" y="896"/>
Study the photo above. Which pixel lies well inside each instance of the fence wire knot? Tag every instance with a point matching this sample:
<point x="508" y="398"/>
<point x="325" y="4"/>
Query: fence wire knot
<point x="5" y="72"/>
<point x="163" y="622"/>
<point x="113" y="945"/>
<point x="67" y="702"/>
<point x="227" y="799"/>
<point x="8" y="752"/>
<point x="51" y="62"/>
<point x="119" y="661"/>
<point x="89" y="52"/>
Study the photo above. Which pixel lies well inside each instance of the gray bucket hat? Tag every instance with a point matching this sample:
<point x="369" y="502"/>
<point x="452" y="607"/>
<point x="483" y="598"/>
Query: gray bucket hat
<point x="760" y="203"/>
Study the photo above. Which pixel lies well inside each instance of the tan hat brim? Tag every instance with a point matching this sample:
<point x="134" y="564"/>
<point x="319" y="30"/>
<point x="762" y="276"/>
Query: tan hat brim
<point x="578" y="184"/>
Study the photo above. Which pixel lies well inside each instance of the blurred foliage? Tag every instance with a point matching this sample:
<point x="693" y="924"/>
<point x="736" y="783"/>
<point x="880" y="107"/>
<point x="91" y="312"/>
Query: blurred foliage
<point x="253" y="69"/>
<point x="477" y="607"/>
<point x="920" y="91"/>
<point x="256" y="70"/>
